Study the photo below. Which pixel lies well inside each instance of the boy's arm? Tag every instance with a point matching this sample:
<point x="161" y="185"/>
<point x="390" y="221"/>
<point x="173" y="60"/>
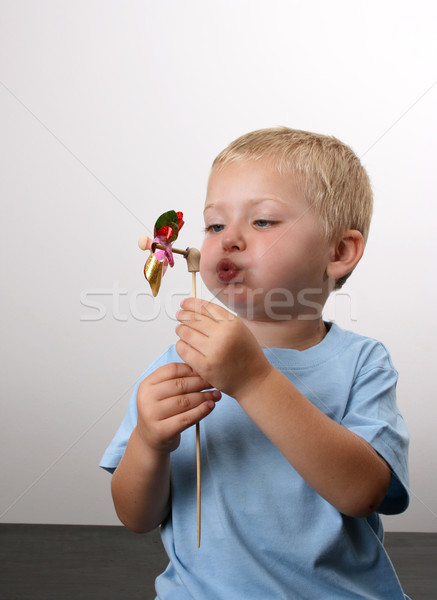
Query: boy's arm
<point x="169" y="401"/>
<point x="141" y="486"/>
<point x="342" y="467"/>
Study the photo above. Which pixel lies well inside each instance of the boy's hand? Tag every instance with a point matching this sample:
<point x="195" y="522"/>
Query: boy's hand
<point x="170" y="400"/>
<point x="220" y="347"/>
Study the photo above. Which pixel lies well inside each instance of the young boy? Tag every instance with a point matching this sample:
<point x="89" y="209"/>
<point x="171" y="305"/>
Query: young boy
<point x="306" y="445"/>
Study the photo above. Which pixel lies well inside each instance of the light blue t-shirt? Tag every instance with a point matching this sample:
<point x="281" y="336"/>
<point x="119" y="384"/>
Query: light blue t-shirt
<point x="266" y="534"/>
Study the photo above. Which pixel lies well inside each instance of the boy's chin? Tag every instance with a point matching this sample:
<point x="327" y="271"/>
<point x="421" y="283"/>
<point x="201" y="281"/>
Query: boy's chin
<point x="234" y="298"/>
<point x="246" y="308"/>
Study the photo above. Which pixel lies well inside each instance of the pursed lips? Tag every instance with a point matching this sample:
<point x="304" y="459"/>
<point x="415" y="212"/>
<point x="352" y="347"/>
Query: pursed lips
<point x="227" y="270"/>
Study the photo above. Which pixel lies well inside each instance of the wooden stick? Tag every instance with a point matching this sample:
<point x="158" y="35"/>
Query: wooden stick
<point x="144" y="242"/>
<point x="198" y="460"/>
<point x="192" y="255"/>
<point x="193" y="261"/>
<point x="199" y="486"/>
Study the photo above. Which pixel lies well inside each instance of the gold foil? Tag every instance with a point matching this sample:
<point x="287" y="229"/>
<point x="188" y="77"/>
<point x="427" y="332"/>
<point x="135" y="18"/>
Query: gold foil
<point x="153" y="273"/>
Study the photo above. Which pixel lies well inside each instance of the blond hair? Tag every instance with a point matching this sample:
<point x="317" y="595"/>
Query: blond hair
<point x="328" y="172"/>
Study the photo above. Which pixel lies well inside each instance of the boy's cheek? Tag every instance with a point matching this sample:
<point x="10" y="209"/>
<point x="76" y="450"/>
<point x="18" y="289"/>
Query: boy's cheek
<point x="208" y="276"/>
<point x="205" y="262"/>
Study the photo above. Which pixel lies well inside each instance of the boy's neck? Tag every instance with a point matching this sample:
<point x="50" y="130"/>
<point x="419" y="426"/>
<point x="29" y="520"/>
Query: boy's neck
<point x="295" y="334"/>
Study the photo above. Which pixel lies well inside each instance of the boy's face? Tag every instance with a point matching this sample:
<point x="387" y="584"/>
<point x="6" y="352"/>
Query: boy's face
<point x="264" y="254"/>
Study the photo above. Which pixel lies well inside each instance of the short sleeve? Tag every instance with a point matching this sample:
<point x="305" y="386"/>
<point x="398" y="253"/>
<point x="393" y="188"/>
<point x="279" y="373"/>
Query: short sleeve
<point x="372" y="413"/>
<point x="116" y="448"/>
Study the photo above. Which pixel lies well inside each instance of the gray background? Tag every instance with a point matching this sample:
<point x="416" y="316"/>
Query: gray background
<point x="112" y="112"/>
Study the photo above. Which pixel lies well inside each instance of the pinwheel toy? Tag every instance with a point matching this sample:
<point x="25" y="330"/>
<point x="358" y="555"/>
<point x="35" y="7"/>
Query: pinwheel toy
<point x="165" y="232"/>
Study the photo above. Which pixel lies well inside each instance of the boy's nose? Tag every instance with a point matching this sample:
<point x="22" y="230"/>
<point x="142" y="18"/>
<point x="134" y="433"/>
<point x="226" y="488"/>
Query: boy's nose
<point x="232" y="241"/>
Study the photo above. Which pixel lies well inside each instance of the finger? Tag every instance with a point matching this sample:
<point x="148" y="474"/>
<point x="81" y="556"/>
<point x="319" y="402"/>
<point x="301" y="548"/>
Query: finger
<point x="179" y="387"/>
<point x="168" y="428"/>
<point x="194" y="336"/>
<point x="203" y="324"/>
<point x="170" y="371"/>
<point x="157" y="403"/>
<point x="178" y="423"/>
<point x="185" y="403"/>
<point x="171" y="380"/>
<point x="191" y="355"/>
<point x="206" y="308"/>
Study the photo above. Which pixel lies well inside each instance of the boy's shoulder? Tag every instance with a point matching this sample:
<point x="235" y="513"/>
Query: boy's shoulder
<point x="367" y="349"/>
<point x="339" y="344"/>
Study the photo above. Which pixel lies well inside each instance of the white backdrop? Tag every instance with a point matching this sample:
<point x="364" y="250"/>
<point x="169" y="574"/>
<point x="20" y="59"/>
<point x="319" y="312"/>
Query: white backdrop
<point x="112" y="112"/>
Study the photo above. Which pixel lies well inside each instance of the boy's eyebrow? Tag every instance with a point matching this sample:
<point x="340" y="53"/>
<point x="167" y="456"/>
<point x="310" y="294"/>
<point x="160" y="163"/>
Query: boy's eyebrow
<point x="252" y="201"/>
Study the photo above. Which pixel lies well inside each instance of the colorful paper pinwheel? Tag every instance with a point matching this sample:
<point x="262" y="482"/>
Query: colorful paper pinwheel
<point x="166" y="231"/>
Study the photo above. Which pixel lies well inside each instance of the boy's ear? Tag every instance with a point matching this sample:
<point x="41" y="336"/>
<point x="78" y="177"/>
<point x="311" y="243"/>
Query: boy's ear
<point x="346" y="254"/>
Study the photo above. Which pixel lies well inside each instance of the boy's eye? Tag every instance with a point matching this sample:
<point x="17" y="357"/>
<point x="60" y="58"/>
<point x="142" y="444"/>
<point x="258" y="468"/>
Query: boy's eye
<point x="215" y="228"/>
<point x="263" y="223"/>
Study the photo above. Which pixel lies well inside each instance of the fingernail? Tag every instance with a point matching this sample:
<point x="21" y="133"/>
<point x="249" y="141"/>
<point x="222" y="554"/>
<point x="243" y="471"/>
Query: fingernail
<point x="216" y="394"/>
